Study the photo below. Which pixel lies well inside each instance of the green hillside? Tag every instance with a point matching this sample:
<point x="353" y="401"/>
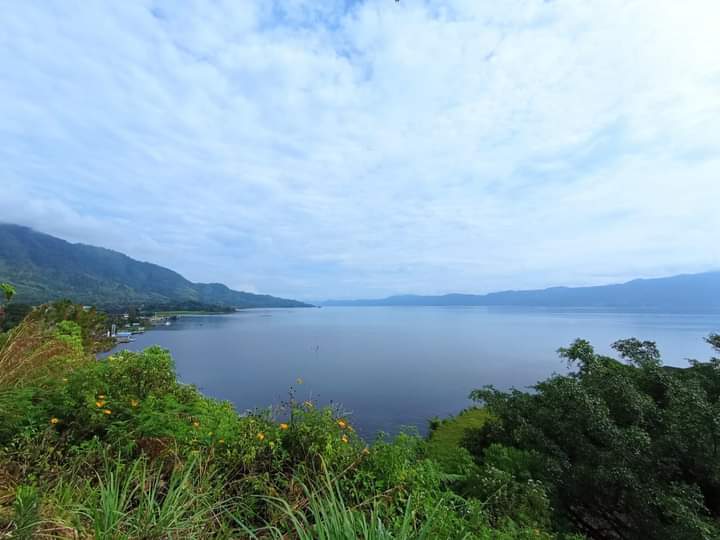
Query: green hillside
<point x="44" y="268"/>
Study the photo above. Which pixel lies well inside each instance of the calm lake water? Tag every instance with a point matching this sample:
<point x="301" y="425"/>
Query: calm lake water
<point x="398" y="366"/>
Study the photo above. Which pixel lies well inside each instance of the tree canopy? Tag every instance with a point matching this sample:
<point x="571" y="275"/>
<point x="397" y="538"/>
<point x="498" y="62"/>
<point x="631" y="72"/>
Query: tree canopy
<point x="626" y="449"/>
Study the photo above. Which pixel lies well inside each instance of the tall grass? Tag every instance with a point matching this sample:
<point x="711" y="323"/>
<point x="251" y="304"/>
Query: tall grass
<point x="326" y="515"/>
<point x="26" y="512"/>
<point x="136" y="501"/>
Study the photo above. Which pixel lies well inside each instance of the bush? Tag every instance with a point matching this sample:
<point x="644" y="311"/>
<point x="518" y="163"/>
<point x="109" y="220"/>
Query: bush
<point x="120" y="449"/>
<point x="624" y="449"/>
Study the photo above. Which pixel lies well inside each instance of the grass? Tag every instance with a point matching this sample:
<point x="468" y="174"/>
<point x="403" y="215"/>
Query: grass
<point x="330" y="517"/>
<point x="446" y="437"/>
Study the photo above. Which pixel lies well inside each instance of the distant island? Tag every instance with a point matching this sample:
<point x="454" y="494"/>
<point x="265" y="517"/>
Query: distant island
<point x="688" y="292"/>
<point x="44" y="268"/>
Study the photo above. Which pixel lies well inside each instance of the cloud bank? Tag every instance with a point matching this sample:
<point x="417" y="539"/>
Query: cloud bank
<point x="352" y="149"/>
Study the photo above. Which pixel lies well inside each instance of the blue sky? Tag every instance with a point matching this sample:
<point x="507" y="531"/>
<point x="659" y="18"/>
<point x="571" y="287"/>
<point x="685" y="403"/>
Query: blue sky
<point x="358" y="149"/>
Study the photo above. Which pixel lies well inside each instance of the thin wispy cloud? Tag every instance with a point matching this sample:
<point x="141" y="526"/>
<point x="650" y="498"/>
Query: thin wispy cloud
<point x="348" y="149"/>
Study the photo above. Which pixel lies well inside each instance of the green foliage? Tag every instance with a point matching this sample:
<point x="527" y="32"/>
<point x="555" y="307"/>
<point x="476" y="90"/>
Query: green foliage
<point x="135" y="500"/>
<point x="8" y="291"/>
<point x="330" y="517"/>
<point x="26" y="512"/>
<point x="70" y="333"/>
<point x="714" y="341"/>
<point x="626" y="450"/>
<point x="120" y="449"/>
<point x="93" y="324"/>
<point x="444" y="445"/>
<point x="14" y="314"/>
<point x="505" y="484"/>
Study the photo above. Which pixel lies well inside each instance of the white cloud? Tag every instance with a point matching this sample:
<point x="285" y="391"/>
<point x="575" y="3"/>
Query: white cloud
<point x="314" y="149"/>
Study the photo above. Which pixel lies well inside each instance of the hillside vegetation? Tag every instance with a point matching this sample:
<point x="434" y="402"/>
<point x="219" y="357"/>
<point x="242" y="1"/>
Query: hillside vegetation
<point x="44" y="268"/>
<point x="118" y="449"/>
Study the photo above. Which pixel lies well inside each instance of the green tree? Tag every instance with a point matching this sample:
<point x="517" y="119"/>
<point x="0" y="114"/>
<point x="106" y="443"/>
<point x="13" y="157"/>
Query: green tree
<point x="626" y="449"/>
<point x="8" y="291"/>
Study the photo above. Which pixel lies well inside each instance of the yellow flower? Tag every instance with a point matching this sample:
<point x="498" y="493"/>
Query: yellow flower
<point x="261" y="436"/>
<point x="222" y="441"/>
<point x="350" y="428"/>
<point x="134" y="402"/>
<point x="54" y="420"/>
<point x="344" y="439"/>
<point x="196" y="424"/>
<point x="342" y="423"/>
<point x="100" y="403"/>
<point x="107" y="411"/>
<point x="101" y="396"/>
<point x="284" y="426"/>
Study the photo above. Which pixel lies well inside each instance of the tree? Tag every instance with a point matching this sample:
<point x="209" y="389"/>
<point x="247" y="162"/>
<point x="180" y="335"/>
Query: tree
<point x="625" y="449"/>
<point x="8" y="291"/>
<point x="714" y="341"/>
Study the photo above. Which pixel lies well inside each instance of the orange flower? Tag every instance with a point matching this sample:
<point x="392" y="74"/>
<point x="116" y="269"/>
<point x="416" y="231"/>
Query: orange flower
<point x="284" y="426"/>
<point x="100" y="403"/>
<point x="342" y="423"/>
<point x="261" y="436"/>
<point x="107" y="411"/>
<point x="54" y="420"/>
<point x="134" y="402"/>
<point x="344" y="439"/>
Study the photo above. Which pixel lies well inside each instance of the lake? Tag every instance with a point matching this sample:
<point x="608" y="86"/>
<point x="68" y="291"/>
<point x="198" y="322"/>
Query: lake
<point x="399" y="366"/>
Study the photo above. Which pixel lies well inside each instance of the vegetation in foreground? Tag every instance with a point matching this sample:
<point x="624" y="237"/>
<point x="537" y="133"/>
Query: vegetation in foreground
<point x="119" y="449"/>
<point x="623" y="450"/>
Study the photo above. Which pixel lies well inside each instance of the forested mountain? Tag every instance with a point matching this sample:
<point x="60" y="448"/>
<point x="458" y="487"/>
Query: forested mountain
<point x="43" y="267"/>
<point x="691" y="292"/>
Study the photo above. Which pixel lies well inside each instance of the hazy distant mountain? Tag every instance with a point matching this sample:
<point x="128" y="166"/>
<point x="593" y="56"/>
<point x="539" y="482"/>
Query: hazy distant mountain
<point x="691" y="292"/>
<point x="44" y="268"/>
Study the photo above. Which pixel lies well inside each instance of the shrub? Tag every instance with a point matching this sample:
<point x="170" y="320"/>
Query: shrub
<point x="120" y="449"/>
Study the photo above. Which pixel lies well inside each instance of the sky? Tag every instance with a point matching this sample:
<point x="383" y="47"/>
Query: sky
<point x="352" y="149"/>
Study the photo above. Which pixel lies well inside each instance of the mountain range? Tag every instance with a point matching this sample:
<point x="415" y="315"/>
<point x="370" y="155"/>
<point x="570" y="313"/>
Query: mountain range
<point x="682" y="293"/>
<point x="44" y="268"/>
